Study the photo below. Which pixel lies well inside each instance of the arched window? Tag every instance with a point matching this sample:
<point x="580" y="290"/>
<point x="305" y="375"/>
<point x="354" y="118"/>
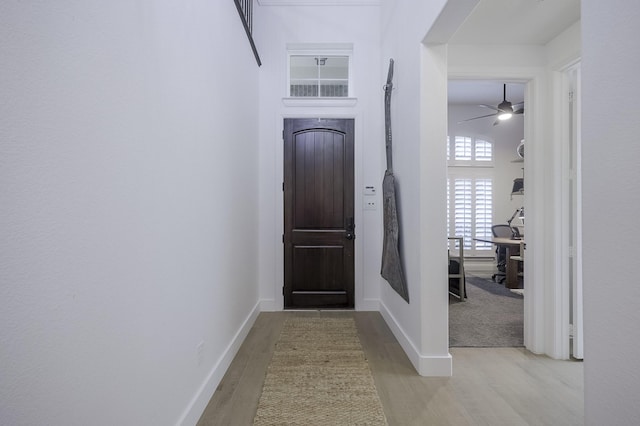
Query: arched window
<point x="469" y="151"/>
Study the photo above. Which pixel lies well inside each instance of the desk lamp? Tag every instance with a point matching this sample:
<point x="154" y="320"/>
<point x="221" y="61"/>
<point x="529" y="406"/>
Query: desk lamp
<point x="520" y="213"/>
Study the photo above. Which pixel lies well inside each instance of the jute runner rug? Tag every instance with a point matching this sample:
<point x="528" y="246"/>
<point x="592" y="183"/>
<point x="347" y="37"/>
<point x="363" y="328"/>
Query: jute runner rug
<point x="319" y="376"/>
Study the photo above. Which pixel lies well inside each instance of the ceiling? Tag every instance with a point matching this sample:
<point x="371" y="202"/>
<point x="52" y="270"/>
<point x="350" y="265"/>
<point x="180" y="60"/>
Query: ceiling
<point x="474" y="92"/>
<point x="517" y="21"/>
<point x="528" y="22"/>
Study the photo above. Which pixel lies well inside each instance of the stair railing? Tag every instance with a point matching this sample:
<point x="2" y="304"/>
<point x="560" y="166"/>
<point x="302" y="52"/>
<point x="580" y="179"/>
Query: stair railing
<point x="245" y="9"/>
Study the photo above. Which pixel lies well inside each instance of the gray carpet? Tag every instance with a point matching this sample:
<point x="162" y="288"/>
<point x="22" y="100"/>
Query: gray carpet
<point x="491" y="316"/>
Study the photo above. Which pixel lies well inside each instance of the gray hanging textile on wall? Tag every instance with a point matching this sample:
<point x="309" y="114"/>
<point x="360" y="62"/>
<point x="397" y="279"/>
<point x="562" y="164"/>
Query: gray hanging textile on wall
<point x="391" y="263"/>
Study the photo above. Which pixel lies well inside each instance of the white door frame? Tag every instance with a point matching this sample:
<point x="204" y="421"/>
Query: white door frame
<point x="361" y="302"/>
<point x="568" y="79"/>
<point x="536" y="298"/>
<point x="546" y="304"/>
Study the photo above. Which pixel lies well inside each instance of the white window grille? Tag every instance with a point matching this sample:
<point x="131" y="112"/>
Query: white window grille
<point x="469" y="151"/>
<point x="484" y="150"/>
<point x="462" y="148"/>
<point x="319" y="76"/>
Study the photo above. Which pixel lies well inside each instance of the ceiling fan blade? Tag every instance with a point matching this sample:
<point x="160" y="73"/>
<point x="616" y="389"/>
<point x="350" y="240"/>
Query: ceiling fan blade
<point x="518" y="108"/>
<point x="475" y="118"/>
<point x="490" y="107"/>
<point x="504" y="107"/>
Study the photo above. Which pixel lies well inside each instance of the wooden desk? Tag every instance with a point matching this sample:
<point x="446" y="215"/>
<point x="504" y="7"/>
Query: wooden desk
<point x="513" y="249"/>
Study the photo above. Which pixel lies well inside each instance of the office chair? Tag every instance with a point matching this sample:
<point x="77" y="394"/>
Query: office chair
<point x="501" y="231"/>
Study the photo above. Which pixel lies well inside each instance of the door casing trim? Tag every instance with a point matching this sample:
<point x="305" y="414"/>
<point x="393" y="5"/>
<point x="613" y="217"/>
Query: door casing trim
<point x="277" y="302"/>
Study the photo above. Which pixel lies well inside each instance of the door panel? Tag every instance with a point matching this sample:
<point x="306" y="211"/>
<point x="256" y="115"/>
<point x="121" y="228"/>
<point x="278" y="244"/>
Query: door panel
<point x="319" y="179"/>
<point x="318" y="196"/>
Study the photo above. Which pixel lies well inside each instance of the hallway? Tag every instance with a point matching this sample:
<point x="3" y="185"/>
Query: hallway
<point x="490" y="386"/>
<point x="140" y="195"/>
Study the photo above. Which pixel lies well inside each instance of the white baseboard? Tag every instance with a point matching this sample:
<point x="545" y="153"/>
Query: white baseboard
<point x="199" y="402"/>
<point x="434" y="366"/>
<point x="270" y="305"/>
<point x="368" y="305"/>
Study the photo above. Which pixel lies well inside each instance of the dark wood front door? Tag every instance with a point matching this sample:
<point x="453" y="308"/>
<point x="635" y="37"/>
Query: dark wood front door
<point x="318" y="213"/>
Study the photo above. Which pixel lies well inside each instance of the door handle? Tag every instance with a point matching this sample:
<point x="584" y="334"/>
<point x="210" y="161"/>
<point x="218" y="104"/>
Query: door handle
<point x="350" y="228"/>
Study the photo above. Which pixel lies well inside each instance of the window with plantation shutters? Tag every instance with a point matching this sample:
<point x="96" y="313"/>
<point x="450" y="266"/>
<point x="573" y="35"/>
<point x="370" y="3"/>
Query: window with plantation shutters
<point x="470" y="192"/>
<point x="483" y="212"/>
<point x="483" y="151"/>
<point x="469" y="152"/>
<point x="462" y="148"/>
<point x="462" y="211"/>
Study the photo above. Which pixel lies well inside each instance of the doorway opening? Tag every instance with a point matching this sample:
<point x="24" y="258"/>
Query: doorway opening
<point x="485" y="195"/>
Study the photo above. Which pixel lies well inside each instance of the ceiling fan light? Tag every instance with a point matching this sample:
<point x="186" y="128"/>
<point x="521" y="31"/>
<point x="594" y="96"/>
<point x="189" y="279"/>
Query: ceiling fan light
<point x="506" y="110"/>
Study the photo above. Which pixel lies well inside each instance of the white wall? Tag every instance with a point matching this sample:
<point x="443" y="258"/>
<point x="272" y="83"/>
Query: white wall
<point x="520" y="63"/>
<point x="420" y="170"/>
<point x="277" y="27"/>
<point x="565" y="48"/>
<point x="611" y="58"/>
<point x="128" y="198"/>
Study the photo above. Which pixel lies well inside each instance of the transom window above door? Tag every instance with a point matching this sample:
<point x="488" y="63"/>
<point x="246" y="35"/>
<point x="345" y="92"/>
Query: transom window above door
<point x="319" y="76"/>
<point x="319" y="73"/>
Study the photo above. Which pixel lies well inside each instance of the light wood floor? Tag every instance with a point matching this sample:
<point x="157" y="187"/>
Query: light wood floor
<point x="490" y="386"/>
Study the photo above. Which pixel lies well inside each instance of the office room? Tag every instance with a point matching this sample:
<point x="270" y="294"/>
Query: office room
<point x="486" y="188"/>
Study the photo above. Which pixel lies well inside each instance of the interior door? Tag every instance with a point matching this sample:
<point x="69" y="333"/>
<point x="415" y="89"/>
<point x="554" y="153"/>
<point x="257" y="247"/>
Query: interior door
<point x="319" y="229"/>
